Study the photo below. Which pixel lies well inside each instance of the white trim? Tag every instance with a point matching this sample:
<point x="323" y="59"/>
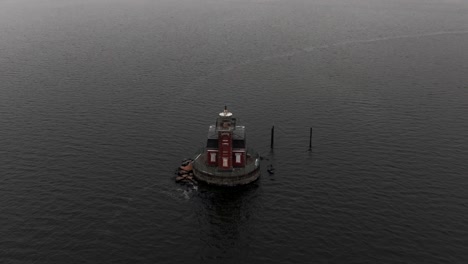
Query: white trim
<point x="238" y="157"/>
<point x="212" y="156"/>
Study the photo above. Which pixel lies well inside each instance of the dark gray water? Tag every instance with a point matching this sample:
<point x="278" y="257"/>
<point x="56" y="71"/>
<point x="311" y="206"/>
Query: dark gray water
<point x="100" y="100"/>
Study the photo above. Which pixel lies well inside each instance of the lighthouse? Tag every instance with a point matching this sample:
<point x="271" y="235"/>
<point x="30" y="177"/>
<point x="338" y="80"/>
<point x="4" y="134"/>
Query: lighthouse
<point x="225" y="147"/>
<point x="225" y="159"/>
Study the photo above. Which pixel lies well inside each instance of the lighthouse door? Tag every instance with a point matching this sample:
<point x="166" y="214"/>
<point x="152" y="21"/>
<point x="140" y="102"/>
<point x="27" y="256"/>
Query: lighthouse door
<point x="225" y="151"/>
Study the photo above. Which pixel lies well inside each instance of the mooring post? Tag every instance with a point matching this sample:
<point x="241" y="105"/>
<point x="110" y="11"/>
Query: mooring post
<point x="272" y="136"/>
<point x="310" y="139"/>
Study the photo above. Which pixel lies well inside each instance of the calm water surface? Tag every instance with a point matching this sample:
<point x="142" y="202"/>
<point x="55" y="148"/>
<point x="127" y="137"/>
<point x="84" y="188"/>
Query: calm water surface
<point x="100" y="100"/>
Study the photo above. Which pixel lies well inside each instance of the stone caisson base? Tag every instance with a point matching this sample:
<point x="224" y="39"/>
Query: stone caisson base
<point x="227" y="178"/>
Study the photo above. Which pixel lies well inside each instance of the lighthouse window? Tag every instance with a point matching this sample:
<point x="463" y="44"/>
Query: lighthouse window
<point x="212" y="157"/>
<point x="238" y="158"/>
<point x="225" y="162"/>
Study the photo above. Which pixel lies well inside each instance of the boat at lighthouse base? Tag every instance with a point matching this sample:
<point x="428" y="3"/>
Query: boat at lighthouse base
<point x="226" y="160"/>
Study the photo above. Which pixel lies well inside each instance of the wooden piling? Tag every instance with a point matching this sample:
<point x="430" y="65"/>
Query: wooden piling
<point x="310" y="139"/>
<point x="272" y="136"/>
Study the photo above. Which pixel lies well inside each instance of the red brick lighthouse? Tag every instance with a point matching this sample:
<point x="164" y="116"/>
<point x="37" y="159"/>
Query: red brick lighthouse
<point x="226" y="143"/>
<point x="226" y="160"/>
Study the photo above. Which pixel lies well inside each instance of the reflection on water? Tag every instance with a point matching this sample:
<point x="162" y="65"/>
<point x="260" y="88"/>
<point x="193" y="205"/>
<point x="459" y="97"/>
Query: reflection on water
<point x="224" y="217"/>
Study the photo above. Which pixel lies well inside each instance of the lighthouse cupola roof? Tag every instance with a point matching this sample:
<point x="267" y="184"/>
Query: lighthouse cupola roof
<point x="226" y="122"/>
<point x="225" y="113"/>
